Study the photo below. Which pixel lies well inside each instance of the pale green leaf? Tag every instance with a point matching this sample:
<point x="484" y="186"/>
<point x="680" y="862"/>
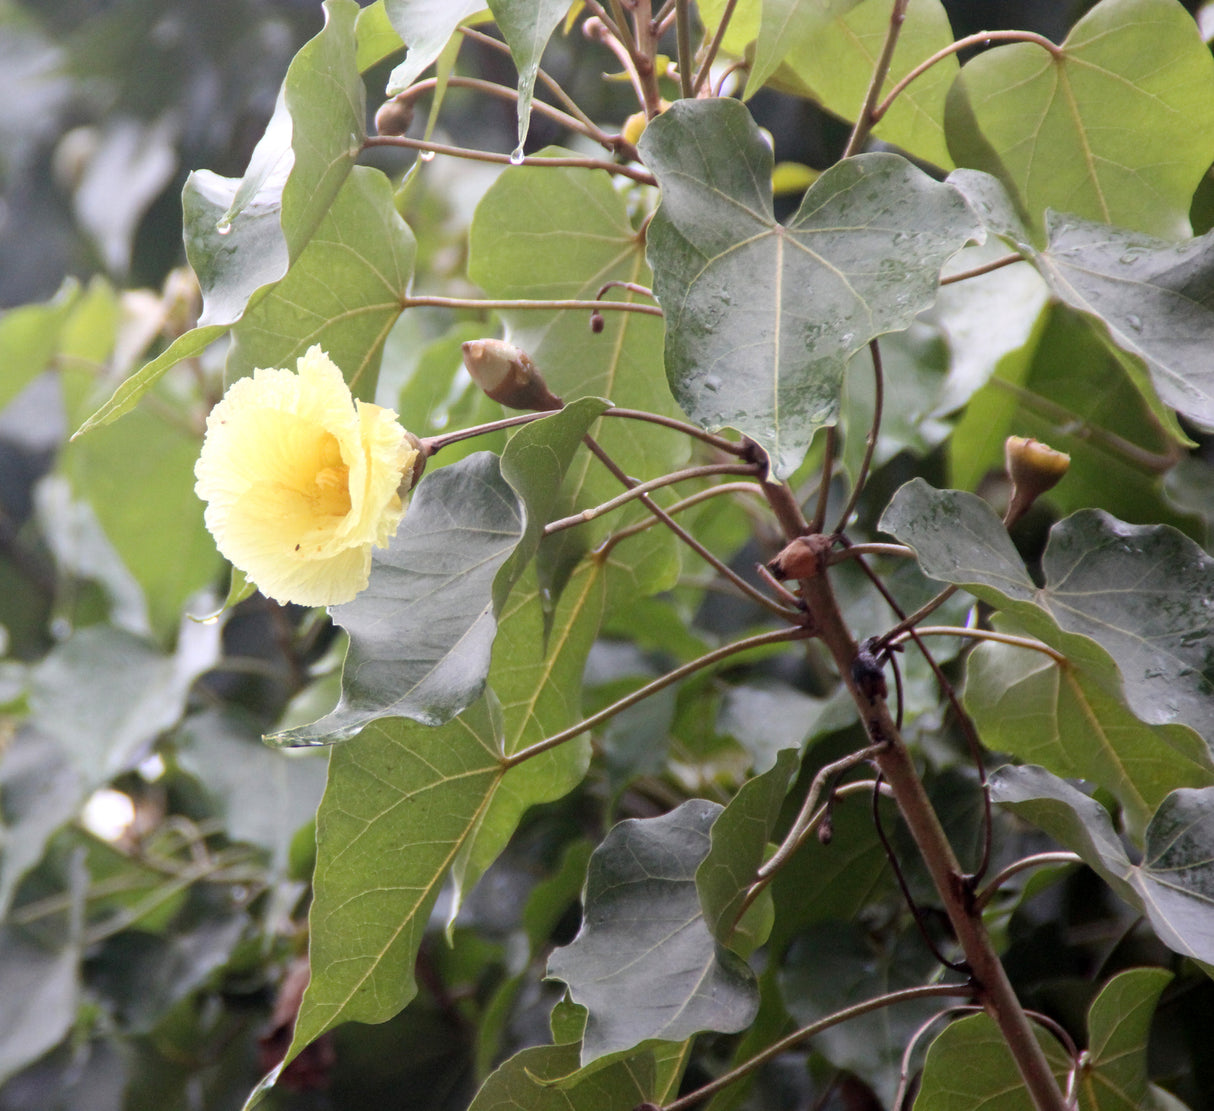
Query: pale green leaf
<point x="526" y="26"/>
<point x="425" y="27"/>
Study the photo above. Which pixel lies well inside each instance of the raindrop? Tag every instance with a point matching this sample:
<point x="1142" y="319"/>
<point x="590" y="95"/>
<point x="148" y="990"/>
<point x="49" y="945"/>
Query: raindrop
<point x="1134" y="322"/>
<point x="516" y="156"/>
<point x="712" y="383"/>
<point x="224" y="226"/>
<point x="426" y="155"/>
<point x="1133" y="254"/>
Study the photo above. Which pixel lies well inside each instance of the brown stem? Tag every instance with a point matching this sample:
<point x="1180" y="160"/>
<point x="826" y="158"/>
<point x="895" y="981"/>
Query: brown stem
<point x="504" y="159"/>
<point x="867" y="116"/>
<point x="870" y="442"/>
<point x="985" y="268"/>
<point x="730" y="447"/>
<point x="683" y="32"/>
<point x="410" y="302"/>
<point x="713" y="47"/>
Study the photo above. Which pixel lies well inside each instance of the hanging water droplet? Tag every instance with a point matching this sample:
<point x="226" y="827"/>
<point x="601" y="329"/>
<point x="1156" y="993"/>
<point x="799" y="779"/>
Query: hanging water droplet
<point x="516" y="156"/>
<point x="426" y="155"/>
<point x="224" y="226"/>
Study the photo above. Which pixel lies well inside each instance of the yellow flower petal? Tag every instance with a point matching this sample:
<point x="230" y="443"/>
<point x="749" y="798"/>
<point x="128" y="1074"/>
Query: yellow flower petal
<point x="300" y="481"/>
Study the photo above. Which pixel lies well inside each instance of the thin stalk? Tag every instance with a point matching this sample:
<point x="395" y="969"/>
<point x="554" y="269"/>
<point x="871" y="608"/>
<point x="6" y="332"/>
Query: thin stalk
<point x="633" y="172"/>
<point x="867" y="116"/>
<point x="1037" y="860"/>
<point x="431" y="444"/>
<point x="733" y="447"/>
<point x="436" y="302"/>
<point x="778" y="636"/>
<point x="961" y="44"/>
<point x="678" y="507"/>
<point x="908" y="623"/>
<point x="643" y="488"/>
<point x="982" y="634"/>
<point x="870" y="442"/>
<point x="659" y="514"/>
<point x="714" y="47"/>
<point x="818" y="521"/>
<point x="504" y="92"/>
<point x="855" y="551"/>
<point x="992" y="985"/>
<point x="908" y="1052"/>
<point x="786" y="1043"/>
<point x="646" y="53"/>
<point x="985" y="268"/>
<point x="682" y="24"/>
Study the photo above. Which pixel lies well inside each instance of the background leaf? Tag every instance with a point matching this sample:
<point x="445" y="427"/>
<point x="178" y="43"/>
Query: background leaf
<point x="529" y="1078"/>
<point x="425" y="28"/>
<point x="762" y="317"/>
<point x="1102" y="129"/>
<point x="421" y="633"/>
<point x="644" y="962"/>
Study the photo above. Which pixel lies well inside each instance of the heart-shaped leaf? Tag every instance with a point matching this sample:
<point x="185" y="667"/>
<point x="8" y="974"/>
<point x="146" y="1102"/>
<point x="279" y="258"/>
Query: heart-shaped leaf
<point x="526" y="26"/>
<point x="762" y="317"/>
<point x="644" y="962"/>
<point x="530" y="1080"/>
<point x="1174" y="884"/>
<point x="1116" y="125"/>
<point x="421" y="633"/>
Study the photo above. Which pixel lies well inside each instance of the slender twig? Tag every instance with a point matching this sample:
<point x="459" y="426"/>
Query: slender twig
<point x="710" y="55"/>
<point x="854" y="551"/>
<point x="542" y="75"/>
<point x="601" y="28"/>
<point x="1037" y="860"/>
<point x="978" y="39"/>
<point x="982" y="634"/>
<point x="643" y="488"/>
<point x="867" y="116"/>
<point x="908" y="623"/>
<point x="504" y="92"/>
<point x="634" y="287"/>
<point x="926" y="991"/>
<point x="645" y="53"/>
<point x="633" y="172"/>
<point x="431" y="444"/>
<point x="709" y="557"/>
<point x="985" y="268"/>
<point x="870" y="443"/>
<point x="818" y="522"/>
<point x="778" y="636"/>
<point x="412" y="301"/>
<point x="733" y="447"/>
<point x="683" y="37"/>
<point x="909" y="1051"/>
<point x="677" y="507"/>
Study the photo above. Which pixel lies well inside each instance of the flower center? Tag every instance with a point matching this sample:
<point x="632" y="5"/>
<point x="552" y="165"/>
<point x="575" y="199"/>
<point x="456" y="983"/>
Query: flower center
<point x="329" y="495"/>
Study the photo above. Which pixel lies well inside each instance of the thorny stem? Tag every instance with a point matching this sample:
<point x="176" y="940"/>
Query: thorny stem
<point x="633" y="172"/>
<point x="643" y="488"/>
<point x="867" y="116"/>
<point x="492" y="88"/>
<point x="985" y="268"/>
<point x="870" y="443"/>
<point x="786" y="1043"/>
<point x="710" y="54"/>
<point x="982" y="634"/>
<point x="992" y="986"/>
<point x="979" y="39"/>
<point x="778" y="636"/>
<point x="1037" y="860"/>
<point x="659" y="514"/>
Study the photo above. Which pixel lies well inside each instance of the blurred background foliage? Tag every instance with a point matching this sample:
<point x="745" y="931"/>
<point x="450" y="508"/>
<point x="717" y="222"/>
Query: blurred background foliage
<point x="156" y="856"/>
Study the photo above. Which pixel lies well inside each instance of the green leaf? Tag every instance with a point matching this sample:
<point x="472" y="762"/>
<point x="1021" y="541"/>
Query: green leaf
<point x="1174" y="884"/>
<point x="786" y="26"/>
<point x="29" y="337"/>
<point x="644" y="962"/>
<point x="243" y="234"/>
<point x="375" y="35"/>
<point x="425" y="28"/>
<point x="766" y="718"/>
<point x="834" y="965"/>
<point x="738" y="844"/>
<point x="761" y="317"/>
<point x="41" y="986"/>
<point x="344" y="292"/>
<point x="1114" y="1075"/>
<point x="529" y="1080"/>
<point x="1116" y="126"/>
<point x="970" y="1068"/>
<point x="1143" y="593"/>
<point x="421" y="633"/>
<point x="526" y="26"/>
<point x="836" y="65"/>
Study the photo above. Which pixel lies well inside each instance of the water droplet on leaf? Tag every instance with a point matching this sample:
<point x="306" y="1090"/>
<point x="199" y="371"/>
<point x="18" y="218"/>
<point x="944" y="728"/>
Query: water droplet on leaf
<point x="516" y="156"/>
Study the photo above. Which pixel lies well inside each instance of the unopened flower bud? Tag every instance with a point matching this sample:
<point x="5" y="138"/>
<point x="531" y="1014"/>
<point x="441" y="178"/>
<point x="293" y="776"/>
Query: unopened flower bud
<point x="1034" y="468"/>
<point x="507" y="374"/>
<point x="394" y="117"/>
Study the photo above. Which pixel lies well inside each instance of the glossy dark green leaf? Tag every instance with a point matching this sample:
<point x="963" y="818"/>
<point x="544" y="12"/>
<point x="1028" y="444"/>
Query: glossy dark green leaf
<point x="527" y="1082"/>
<point x="421" y="633"/>
<point x="242" y="234"/>
<point x="644" y="962"/>
<point x="1103" y="128"/>
<point x="1174" y="884"/>
<point x="970" y="1068"/>
<point x="738" y="844"/>
<point x="1143" y="593"/>
<point x="425" y="28"/>
<point x="762" y="317"/>
<point x="526" y="26"/>
<point x="344" y="292"/>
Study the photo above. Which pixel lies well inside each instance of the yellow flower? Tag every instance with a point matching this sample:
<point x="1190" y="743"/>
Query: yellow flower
<point x="300" y="481"/>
